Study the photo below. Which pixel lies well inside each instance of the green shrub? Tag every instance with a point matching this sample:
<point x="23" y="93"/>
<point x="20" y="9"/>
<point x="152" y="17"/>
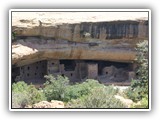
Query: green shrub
<point x="74" y="92"/>
<point x="79" y="90"/>
<point x="89" y="94"/>
<point x="142" y="60"/>
<point x="20" y="99"/>
<point x="98" y="98"/>
<point x="55" y="87"/>
<point x="23" y="95"/>
<point x="20" y="86"/>
<point x="143" y="103"/>
<point x="139" y="87"/>
<point x="138" y="90"/>
<point x="58" y="88"/>
<point x="35" y="95"/>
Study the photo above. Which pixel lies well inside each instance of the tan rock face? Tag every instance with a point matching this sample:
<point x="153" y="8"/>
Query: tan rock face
<point x="96" y="30"/>
<point x="94" y="37"/>
<point x="30" y="52"/>
<point x="52" y="104"/>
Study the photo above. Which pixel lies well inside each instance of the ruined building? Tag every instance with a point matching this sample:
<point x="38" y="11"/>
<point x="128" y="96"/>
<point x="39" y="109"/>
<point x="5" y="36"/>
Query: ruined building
<point x="101" y="50"/>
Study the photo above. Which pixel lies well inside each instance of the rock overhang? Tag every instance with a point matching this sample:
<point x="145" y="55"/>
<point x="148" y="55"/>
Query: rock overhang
<point x="117" y="38"/>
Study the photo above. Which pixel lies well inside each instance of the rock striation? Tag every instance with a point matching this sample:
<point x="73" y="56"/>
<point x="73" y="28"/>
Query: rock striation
<point x="64" y="38"/>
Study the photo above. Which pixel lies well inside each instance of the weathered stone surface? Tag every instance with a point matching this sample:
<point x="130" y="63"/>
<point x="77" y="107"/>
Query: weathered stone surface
<point x="96" y="36"/>
<point x="97" y="31"/>
<point x="46" y="104"/>
<point x="100" y="26"/>
<point x="30" y="52"/>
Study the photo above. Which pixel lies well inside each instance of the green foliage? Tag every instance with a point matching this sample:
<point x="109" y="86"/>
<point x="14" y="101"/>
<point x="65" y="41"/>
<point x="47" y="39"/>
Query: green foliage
<point x="23" y="95"/>
<point x="59" y="88"/>
<point x="142" y="60"/>
<point x="89" y="94"/>
<point x="109" y="90"/>
<point x="75" y="91"/>
<point x="143" y="103"/>
<point x="20" y="99"/>
<point x="98" y="98"/>
<point x="35" y="95"/>
<point x="138" y="90"/>
<point x="133" y="95"/>
<point x="13" y="36"/>
<point x="19" y="87"/>
<point x="139" y="87"/>
<point x="79" y="90"/>
<point x="55" y="87"/>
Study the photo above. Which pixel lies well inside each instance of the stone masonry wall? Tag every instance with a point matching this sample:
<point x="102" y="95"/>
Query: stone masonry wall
<point x="33" y="72"/>
<point x="92" y="71"/>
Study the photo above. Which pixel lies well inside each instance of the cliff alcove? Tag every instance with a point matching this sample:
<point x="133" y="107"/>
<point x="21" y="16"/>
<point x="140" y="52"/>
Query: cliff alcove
<point x="92" y="47"/>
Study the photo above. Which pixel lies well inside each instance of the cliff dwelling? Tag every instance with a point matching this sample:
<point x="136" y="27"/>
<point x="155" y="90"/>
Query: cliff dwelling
<point x="78" y="49"/>
<point x="76" y="70"/>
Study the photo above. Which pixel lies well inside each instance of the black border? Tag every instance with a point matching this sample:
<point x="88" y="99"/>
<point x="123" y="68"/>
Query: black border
<point x="84" y="109"/>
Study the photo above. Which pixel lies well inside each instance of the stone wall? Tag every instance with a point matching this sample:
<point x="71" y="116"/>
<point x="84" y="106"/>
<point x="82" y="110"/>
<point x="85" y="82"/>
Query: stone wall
<point x="113" y="74"/>
<point x="53" y="66"/>
<point x="33" y="72"/>
<point x="92" y="70"/>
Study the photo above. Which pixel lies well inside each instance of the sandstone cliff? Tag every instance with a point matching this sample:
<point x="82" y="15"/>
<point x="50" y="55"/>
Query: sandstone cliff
<point x="87" y="37"/>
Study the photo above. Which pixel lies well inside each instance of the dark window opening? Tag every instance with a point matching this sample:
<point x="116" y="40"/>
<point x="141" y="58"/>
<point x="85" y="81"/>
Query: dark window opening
<point x="71" y="74"/>
<point x="36" y="67"/>
<point x="28" y="68"/>
<point x="35" y="73"/>
<point x="15" y="72"/>
<point x="52" y="63"/>
<point x="28" y="74"/>
<point x="62" y="75"/>
<point x="106" y="73"/>
<point x="69" y="65"/>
